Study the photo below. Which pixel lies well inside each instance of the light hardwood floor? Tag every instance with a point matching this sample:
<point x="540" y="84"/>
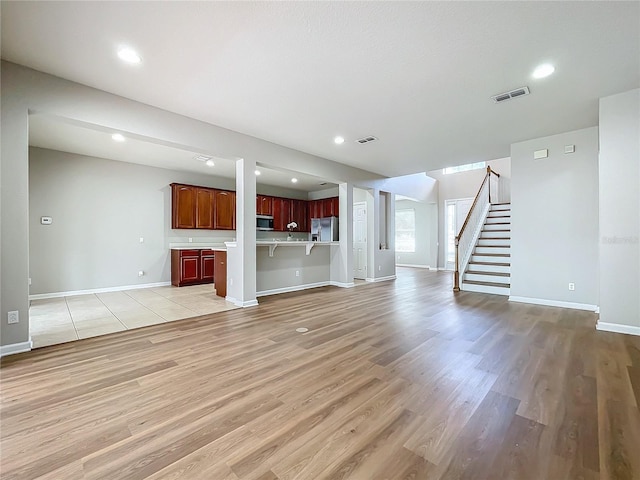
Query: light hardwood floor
<point x="394" y="380"/>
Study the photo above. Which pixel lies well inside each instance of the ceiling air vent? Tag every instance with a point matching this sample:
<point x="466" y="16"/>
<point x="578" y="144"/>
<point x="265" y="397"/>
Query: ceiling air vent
<point x="366" y="139"/>
<point x="518" y="92"/>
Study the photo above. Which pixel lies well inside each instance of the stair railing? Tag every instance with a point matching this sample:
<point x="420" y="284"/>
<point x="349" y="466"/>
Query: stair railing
<point x="466" y="238"/>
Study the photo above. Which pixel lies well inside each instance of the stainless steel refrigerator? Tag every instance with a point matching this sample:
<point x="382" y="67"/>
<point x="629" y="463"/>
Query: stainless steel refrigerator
<point x="324" y="229"/>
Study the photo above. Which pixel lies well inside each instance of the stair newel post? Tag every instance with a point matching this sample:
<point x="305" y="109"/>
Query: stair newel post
<point x="456" y="273"/>
<point x="489" y="179"/>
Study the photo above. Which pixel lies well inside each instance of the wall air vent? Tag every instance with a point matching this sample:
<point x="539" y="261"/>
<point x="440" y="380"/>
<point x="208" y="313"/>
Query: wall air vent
<point x="366" y="139"/>
<point x="518" y="92"/>
<point x="202" y="158"/>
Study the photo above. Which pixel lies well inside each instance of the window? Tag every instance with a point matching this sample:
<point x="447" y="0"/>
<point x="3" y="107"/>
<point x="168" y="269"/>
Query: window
<point x="464" y="168"/>
<point x="406" y="230"/>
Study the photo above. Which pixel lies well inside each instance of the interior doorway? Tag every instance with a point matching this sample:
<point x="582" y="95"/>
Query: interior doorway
<point x="455" y="212"/>
<point x="360" y="240"/>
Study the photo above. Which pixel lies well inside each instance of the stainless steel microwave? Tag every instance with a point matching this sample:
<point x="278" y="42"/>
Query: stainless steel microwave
<point x="264" y="222"/>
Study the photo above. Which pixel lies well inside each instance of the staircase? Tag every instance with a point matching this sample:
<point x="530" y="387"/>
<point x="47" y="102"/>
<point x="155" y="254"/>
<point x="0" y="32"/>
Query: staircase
<point x="489" y="269"/>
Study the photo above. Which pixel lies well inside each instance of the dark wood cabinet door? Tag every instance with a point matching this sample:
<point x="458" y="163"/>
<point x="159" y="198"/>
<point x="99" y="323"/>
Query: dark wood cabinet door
<point x="300" y="215"/>
<point x="281" y="214"/>
<point x="207" y="265"/>
<point x="183" y="206"/>
<point x="225" y="210"/>
<point x="220" y="282"/>
<point x="189" y="269"/>
<point x="327" y="207"/>
<point x="264" y="205"/>
<point x="335" y="206"/>
<point x="205" y="198"/>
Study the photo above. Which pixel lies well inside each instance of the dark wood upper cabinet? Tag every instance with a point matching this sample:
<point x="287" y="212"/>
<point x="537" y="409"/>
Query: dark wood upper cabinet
<point x="300" y="215"/>
<point x="264" y="205"/>
<point x="205" y="208"/>
<point x="330" y="207"/>
<point x="281" y="213"/>
<point x="225" y="211"/>
<point x="183" y="206"/>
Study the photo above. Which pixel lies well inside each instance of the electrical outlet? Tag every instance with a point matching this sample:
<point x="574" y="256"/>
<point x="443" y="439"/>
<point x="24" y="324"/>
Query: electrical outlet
<point x="13" y="317"/>
<point x="141" y="239"/>
<point x="140" y="273"/>
<point x="190" y="239"/>
<point x="572" y="286"/>
<point x="29" y="281"/>
<point x="230" y="281"/>
<point x="379" y="268"/>
<point x="297" y="273"/>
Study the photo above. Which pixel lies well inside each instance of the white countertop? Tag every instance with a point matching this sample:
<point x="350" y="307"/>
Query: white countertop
<point x="198" y="246"/>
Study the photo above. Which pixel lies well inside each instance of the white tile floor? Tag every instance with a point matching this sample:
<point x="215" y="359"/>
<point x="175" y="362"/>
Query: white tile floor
<point x="59" y="320"/>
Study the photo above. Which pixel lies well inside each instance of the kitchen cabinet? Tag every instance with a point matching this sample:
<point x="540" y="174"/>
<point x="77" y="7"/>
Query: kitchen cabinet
<point x="183" y="206"/>
<point x="225" y="210"/>
<point x="264" y="205"/>
<point x="300" y="215"/>
<point x="192" y="267"/>
<point x="205" y="207"/>
<point x="207" y="265"/>
<point x="220" y="282"/>
<point x="330" y="207"/>
<point x="281" y="213"/>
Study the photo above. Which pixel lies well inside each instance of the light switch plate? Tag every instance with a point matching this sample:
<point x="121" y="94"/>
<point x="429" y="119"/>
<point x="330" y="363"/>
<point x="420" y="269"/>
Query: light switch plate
<point x="46" y="220"/>
<point x="540" y="154"/>
<point x="569" y="148"/>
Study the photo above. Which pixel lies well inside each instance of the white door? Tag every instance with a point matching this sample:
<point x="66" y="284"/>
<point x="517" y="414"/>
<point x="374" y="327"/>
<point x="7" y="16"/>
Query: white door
<point x="455" y="212"/>
<point x="360" y="240"/>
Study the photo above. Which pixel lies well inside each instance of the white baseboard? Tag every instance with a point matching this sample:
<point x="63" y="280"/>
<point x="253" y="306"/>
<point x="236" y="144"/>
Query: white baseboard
<point x="380" y="279"/>
<point x="442" y="269"/>
<point x="241" y="303"/>
<point x="40" y="296"/>
<point x="412" y="265"/>
<point x="342" y="284"/>
<point x="16" y="348"/>
<point x="617" y="328"/>
<point x="295" y="288"/>
<point x="554" y="303"/>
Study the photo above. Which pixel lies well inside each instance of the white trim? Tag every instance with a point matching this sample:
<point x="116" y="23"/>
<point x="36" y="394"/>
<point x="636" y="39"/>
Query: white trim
<point x="240" y="303"/>
<point x="618" y="328"/>
<point x="342" y="284"/>
<point x="554" y="303"/>
<point x="16" y="348"/>
<point x="445" y="269"/>
<point x="380" y="279"/>
<point x="412" y="265"/>
<point x="40" y="296"/>
<point x="295" y="288"/>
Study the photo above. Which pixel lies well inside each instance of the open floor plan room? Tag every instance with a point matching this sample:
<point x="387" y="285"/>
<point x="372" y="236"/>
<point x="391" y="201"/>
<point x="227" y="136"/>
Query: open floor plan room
<point x="393" y="380"/>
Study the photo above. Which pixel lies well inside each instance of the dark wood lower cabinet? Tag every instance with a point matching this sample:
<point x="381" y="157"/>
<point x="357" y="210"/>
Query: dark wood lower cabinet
<point x="192" y="267"/>
<point x="221" y="274"/>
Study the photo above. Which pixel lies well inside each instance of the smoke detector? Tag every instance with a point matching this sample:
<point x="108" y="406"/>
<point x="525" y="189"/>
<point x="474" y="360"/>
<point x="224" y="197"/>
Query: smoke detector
<point x="518" y="92"/>
<point x="366" y="139"/>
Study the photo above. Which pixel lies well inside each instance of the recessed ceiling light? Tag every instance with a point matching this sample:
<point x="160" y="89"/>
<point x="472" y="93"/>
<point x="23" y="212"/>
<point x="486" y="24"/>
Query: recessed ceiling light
<point x="209" y="163"/>
<point x="294" y="180"/>
<point x="129" y="55"/>
<point x="543" y="70"/>
<point x="339" y="140"/>
<point x="117" y="137"/>
<point x="257" y="172"/>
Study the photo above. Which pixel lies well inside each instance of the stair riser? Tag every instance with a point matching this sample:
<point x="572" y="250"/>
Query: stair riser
<point x="488" y="227"/>
<point x="484" y="289"/>
<point x="482" y="258"/>
<point x="489" y="268"/>
<point x="494" y="234"/>
<point x="491" y="220"/>
<point x="480" y="250"/>
<point x="493" y="241"/>
<point x="497" y="208"/>
<point x="486" y="278"/>
<point x="498" y="213"/>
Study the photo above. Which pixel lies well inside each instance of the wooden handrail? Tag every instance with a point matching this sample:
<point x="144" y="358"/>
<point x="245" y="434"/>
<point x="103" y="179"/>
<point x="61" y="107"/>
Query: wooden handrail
<point x="456" y="273"/>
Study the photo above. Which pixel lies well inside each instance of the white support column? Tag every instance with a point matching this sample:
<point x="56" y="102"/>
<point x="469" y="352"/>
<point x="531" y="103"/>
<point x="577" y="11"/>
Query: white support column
<point x="342" y="255"/>
<point x="241" y="258"/>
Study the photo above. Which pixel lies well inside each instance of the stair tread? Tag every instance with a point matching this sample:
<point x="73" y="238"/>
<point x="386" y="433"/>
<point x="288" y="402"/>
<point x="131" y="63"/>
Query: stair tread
<point x="495" y="264"/>
<point x="492" y="246"/>
<point x="487" y="284"/>
<point x="492" y="254"/>
<point x="503" y="203"/>
<point x="499" y="223"/>
<point x="494" y="238"/>
<point x="496" y="274"/>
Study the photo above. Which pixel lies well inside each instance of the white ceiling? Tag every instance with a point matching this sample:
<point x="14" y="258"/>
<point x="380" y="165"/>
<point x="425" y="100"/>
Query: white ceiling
<point x="418" y="75"/>
<point x="56" y="133"/>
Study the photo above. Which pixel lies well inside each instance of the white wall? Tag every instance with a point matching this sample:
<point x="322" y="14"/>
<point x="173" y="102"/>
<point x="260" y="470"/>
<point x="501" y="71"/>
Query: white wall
<point x="619" y="169"/>
<point x="554" y="215"/>
<point x="426" y="215"/>
<point x="465" y="185"/>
